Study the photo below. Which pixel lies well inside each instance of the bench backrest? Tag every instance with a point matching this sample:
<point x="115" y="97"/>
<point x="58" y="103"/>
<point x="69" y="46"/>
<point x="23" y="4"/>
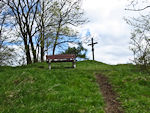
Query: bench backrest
<point x="63" y="56"/>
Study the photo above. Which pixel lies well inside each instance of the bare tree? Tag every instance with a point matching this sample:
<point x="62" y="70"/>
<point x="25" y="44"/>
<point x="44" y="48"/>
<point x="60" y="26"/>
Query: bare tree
<point x="56" y="21"/>
<point x="140" y="36"/>
<point x="66" y="14"/>
<point x="138" y="5"/>
<point x="25" y="14"/>
<point x="6" y="53"/>
<point x="44" y="24"/>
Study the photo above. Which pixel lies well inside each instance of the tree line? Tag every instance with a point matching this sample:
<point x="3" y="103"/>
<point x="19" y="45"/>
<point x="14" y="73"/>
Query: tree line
<point x="39" y="26"/>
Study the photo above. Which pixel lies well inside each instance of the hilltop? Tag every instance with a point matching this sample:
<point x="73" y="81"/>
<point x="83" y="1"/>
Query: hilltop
<point x="34" y="88"/>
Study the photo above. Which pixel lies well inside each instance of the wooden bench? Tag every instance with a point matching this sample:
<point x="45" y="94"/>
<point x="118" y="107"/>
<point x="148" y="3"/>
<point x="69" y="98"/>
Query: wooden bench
<point x="61" y="58"/>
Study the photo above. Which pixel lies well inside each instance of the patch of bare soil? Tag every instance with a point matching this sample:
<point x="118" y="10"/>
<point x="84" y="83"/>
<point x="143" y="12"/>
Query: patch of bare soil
<point x="112" y="105"/>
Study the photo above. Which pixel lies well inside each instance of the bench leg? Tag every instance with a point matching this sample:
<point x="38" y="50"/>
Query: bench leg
<point x="74" y="64"/>
<point x="49" y="65"/>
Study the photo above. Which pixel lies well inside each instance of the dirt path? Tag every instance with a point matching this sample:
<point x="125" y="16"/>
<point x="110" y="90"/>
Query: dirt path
<point x="112" y="105"/>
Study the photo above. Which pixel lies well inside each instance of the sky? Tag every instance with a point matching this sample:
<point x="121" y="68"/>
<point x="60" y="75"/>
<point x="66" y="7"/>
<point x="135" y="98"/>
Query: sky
<point x="109" y="29"/>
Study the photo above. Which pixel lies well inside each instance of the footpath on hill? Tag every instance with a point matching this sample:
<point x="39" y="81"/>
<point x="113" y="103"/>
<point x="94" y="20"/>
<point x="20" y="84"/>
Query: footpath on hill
<point x="110" y="97"/>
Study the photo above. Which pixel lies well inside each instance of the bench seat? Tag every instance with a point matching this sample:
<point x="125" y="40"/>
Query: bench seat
<point x="61" y="58"/>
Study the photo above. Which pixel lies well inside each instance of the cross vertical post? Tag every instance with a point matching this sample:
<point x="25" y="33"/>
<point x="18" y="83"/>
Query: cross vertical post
<point x="92" y="44"/>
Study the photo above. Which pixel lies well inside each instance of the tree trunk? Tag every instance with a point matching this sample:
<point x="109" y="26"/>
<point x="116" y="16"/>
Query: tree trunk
<point x="33" y="50"/>
<point x="57" y="35"/>
<point x="27" y="50"/>
<point x="42" y="31"/>
<point x="42" y="54"/>
<point x="54" y="47"/>
<point x="42" y="47"/>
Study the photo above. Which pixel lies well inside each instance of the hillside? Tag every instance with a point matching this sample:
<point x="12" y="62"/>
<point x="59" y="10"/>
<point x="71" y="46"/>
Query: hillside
<point x="35" y="89"/>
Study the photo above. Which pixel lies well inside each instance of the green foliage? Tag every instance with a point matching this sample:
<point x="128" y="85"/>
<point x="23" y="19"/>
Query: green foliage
<point x="80" y="51"/>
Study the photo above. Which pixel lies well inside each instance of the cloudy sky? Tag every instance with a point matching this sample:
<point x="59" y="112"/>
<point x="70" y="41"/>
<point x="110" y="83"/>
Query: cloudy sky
<point x="109" y="29"/>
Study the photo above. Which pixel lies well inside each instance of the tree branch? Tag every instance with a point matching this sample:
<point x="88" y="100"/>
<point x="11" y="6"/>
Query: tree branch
<point x="138" y="9"/>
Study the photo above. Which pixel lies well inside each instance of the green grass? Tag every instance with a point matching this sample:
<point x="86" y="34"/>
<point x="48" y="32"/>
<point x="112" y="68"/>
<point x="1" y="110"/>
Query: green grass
<point x="133" y="87"/>
<point x="35" y="89"/>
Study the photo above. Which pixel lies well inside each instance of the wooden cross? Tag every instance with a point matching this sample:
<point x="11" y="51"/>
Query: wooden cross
<point x="92" y="44"/>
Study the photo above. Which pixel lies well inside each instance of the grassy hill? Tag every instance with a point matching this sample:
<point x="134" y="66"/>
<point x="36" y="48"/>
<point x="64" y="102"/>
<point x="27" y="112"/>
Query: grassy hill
<point x="35" y="89"/>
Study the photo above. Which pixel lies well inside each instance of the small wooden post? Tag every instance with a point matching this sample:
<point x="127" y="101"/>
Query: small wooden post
<point x="74" y="64"/>
<point x="49" y="64"/>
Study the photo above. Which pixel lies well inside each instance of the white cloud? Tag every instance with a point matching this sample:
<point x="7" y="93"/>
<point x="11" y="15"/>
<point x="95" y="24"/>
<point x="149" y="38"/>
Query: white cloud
<point x="109" y="29"/>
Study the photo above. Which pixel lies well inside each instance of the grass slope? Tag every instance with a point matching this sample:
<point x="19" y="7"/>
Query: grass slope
<point x="133" y="87"/>
<point x="35" y="89"/>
